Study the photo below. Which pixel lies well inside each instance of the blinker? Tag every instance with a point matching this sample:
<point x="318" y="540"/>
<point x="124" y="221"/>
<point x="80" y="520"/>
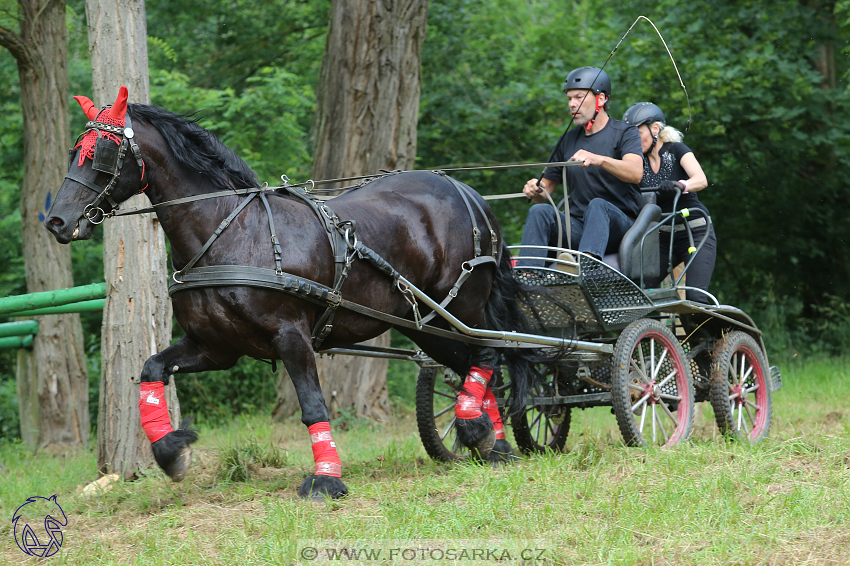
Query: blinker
<point x="105" y="156"/>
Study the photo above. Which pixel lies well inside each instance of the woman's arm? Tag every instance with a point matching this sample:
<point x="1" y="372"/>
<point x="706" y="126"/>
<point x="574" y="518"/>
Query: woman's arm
<point x="696" y="178"/>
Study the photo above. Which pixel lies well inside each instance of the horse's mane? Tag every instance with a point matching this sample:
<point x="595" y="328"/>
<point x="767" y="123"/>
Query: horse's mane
<point x="197" y="149"/>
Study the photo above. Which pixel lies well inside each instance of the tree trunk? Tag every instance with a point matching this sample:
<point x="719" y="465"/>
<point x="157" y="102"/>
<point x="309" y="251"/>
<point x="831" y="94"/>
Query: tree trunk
<point x="52" y="380"/>
<point x="137" y="311"/>
<point x="368" y="106"/>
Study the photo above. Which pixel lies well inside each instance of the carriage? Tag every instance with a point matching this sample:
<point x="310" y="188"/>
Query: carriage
<point x="648" y="353"/>
<point x="283" y="272"/>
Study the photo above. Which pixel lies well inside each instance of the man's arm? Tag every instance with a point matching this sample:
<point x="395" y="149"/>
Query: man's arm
<point x="629" y="169"/>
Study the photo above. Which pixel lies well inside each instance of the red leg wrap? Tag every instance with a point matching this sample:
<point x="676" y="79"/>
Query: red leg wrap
<point x="491" y="407"/>
<point x="470" y="398"/>
<point x="324" y="450"/>
<point x="154" y="410"/>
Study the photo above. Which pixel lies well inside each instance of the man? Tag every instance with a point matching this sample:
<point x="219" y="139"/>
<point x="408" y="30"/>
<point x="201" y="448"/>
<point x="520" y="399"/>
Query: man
<point x="603" y="191"/>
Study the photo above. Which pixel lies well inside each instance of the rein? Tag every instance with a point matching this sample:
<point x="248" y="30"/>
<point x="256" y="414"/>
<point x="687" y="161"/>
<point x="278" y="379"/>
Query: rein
<point x="286" y="185"/>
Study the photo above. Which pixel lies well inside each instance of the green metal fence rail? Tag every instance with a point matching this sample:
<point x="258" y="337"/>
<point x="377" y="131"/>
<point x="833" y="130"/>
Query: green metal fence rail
<point x="13" y="306"/>
<point x="20" y="334"/>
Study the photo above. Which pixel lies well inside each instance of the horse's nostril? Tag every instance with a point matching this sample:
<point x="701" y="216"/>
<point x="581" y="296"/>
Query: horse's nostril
<point x="55" y="221"/>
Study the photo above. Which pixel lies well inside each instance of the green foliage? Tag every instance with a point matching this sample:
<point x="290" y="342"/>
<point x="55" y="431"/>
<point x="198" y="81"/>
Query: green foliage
<point x="217" y="396"/>
<point x="237" y="462"/>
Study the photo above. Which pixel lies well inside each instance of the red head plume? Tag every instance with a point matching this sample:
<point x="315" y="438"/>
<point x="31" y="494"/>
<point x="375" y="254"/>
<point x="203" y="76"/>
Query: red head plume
<point x="116" y="113"/>
<point x="87" y="106"/>
<point x="119" y="109"/>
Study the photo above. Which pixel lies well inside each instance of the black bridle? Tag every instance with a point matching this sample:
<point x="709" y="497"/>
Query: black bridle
<point x="108" y="158"/>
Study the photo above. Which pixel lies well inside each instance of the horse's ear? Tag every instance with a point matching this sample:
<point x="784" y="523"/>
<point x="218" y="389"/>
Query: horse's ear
<point x="87" y="106"/>
<point x="119" y="109"/>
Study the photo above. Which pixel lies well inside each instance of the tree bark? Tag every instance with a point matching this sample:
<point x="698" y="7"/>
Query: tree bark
<point x="52" y="379"/>
<point x="137" y="312"/>
<point x="368" y="106"/>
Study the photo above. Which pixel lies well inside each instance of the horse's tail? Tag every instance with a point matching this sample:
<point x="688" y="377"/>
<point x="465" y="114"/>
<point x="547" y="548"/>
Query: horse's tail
<point x="502" y="312"/>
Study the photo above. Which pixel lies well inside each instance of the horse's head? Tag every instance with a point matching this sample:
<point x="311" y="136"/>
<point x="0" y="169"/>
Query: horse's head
<point x="94" y="186"/>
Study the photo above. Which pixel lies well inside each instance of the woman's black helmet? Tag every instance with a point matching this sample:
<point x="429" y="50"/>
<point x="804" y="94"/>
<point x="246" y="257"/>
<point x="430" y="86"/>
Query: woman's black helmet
<point x="589" y="78"/>
<point x="643" y="113"/>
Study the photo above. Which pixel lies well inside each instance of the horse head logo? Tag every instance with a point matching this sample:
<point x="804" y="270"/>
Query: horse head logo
<point x="39" y="516"/>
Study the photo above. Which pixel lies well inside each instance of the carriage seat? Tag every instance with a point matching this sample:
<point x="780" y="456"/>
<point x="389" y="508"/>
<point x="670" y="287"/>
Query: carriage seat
<point x="627" y="260"/>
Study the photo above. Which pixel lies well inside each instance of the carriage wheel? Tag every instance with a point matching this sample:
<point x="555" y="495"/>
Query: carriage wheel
<point x="652" y="391"/>
<point x="740" y="390"/>
<point x="539" y="428"/>
<point x="436" y="396"/>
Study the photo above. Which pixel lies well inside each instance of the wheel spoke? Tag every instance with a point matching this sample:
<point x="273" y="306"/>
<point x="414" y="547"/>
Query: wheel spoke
<point x="448" y="428"/>
<point x="635" y="387"/>
<point x="451" y="396"/>
<point x="642" y="361"/>
<point x="666" y="379"/>
<point x="641" y="372"/>
<point x="751" y="404"/>
<point x="740" y="416"/>
<point x="661" y="426"/>
<point x="670" y="397"/>
<point x="753" y="388"/>
<point x="642" y="400"/>
<point x="733" y="368"/>
<point x="660" y="363"/>
<point x="654" y="419"/>
<point x="652" y="358"/>
<point x="642" y="418"/>
<point x="444" y="411"/>
<point x="670" y="414"/>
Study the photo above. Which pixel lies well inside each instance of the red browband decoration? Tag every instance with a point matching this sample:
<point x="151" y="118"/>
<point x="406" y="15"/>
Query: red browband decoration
<point x="324" y="450"/>
<point x="154" y="410"/>
<point x="114" y="115"/>
<point x="470" y="398"/>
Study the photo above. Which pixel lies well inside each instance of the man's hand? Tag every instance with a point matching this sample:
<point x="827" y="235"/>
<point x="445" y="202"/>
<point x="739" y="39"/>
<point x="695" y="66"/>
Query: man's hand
<point x="532" y="189"/>
<point x="590" y="159"/>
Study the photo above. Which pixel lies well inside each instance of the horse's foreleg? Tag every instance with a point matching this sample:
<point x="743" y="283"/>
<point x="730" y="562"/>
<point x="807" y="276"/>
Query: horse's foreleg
<point x="297" y="355"/>
<point x="475" y="429"/>
<point x="171" y="448"/>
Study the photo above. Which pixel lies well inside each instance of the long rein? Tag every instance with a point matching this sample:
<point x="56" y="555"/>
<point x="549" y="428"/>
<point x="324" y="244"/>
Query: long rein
<point x="312" y="184"/>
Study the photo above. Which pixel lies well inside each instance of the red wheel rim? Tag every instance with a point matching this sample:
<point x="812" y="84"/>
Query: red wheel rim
<point x="746" y="381"/>
<point x="652" y="375"/>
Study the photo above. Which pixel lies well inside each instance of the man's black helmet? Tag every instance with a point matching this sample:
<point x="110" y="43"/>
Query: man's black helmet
<point x="589" y="78"/>
<point x="643" y="113"/>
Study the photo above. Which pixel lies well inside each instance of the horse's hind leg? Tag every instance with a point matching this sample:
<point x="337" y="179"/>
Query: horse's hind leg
<point x="297" y="355"/>
<point x="171" y="448"/>
<point x="475" y="429"/>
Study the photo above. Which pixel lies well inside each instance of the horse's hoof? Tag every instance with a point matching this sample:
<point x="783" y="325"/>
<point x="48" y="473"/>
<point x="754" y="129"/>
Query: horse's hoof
<point x="173" y="452"/>
<point x="319" y="487"/>
<point x="181" y="464"/>
<point x="502" y="453"/>
<point x="477" y="434"/>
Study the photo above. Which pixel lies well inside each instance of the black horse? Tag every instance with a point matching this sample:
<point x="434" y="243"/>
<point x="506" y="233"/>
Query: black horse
<point x="420" y="223"/>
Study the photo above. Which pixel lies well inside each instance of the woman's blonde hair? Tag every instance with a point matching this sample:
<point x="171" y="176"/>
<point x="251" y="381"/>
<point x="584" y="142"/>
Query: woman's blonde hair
<point x="668" y="133"/>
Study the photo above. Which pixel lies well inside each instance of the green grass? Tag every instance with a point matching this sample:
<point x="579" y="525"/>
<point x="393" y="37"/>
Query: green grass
<point x="783" y="501"/>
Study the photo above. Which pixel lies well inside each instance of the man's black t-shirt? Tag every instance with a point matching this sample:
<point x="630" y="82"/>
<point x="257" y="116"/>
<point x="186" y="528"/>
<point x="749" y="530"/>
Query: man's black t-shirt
<point x="671" y="169"/>
<point x="615" y="140"/>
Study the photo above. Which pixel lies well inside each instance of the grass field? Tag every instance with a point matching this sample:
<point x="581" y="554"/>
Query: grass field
<point x="785" y="501"/>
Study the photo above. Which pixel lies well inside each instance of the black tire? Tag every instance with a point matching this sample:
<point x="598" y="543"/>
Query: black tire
<point x="741" y="390"/>
<point x="436" y="395"/>
<point x="540" y="428"/>
<point x="663" y="391"/>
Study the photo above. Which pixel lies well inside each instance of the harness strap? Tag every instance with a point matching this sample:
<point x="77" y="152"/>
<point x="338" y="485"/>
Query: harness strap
<point x="240" y="275"/>
<point x="464" y="275"/>
<point x="493" y="239"/>
<point x="278" y="252"/>
<point x="221" y="227"/>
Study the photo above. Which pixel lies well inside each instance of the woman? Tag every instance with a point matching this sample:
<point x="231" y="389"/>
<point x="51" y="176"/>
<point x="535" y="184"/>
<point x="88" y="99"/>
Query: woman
<point x="668" y="163"/>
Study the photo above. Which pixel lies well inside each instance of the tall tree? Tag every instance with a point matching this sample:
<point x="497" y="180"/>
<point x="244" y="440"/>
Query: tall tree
<point x="368" y="107"/>
<point x="137" y="312"/>
<point x="52" y="379"/>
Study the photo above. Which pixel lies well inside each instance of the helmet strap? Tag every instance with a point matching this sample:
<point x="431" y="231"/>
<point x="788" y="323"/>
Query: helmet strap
<point x="599" y="106"/>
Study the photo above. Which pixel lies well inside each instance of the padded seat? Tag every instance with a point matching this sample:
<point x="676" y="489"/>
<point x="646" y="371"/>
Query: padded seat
<point x="627" y="260"/>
